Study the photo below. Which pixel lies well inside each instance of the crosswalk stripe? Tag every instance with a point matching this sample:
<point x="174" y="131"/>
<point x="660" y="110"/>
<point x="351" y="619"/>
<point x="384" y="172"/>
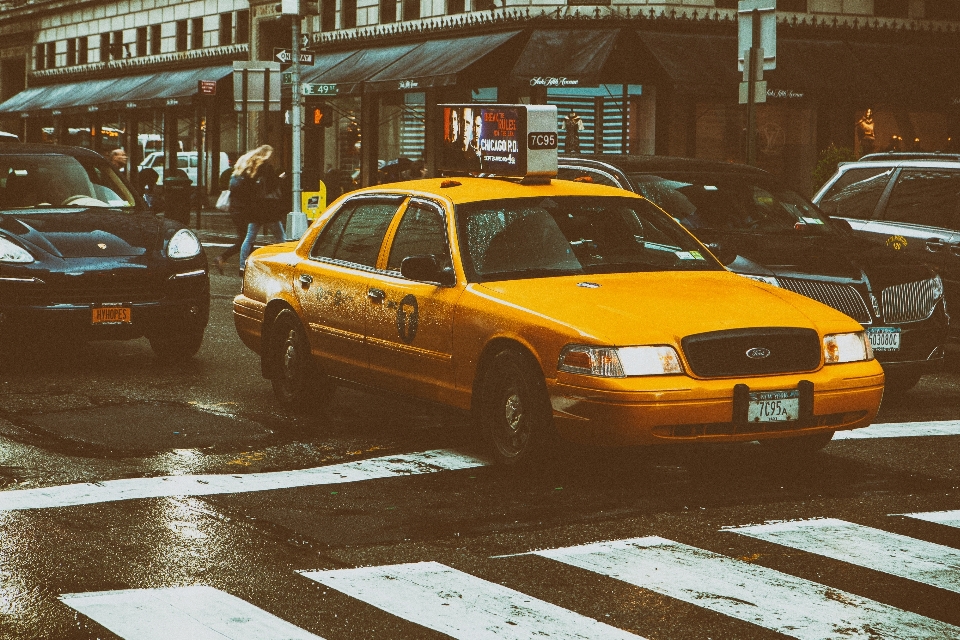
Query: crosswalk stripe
<point x="461" y="605"/>
<point x="793" y="606"/>
<point x="182" y="613"/>
<point x="892" y="553"/>
<point x="211" y="484"/>
<point x="902" y="430"/>
<point x="948" y="518"/>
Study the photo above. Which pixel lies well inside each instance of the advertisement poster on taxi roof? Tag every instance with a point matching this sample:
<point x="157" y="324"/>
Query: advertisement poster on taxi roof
<point x="481" y="139"/>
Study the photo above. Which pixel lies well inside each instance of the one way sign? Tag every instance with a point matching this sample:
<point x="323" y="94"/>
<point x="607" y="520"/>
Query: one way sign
<point x="285" y="57"/>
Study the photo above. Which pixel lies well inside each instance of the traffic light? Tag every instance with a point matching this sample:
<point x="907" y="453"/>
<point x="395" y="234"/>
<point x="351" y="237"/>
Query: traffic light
<point x="318" y="116"/>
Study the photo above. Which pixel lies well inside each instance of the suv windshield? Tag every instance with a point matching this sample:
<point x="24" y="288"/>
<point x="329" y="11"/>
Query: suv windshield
<point x="58" y="181"/>
<point x="539" y="237"/>
<point x="731" y="203"/>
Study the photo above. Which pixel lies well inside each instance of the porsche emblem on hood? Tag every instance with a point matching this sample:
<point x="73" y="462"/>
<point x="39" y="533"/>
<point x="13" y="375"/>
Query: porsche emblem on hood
<point x="101" y="245"/>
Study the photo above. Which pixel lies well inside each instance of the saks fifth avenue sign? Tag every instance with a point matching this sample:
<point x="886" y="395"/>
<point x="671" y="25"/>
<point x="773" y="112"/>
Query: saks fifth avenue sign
<point x="542" y="81"/>
<point x="784" y="93"/>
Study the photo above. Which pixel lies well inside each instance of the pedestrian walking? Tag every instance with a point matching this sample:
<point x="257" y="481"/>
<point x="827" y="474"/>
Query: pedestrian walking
<point x="255" y="192"/>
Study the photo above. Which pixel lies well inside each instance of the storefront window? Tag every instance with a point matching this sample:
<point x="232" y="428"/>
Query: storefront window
<point x="595" y="119"/>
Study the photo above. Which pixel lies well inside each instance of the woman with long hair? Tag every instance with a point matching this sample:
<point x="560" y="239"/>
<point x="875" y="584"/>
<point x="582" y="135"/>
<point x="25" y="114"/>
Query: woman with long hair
<point x="253" y="195"/>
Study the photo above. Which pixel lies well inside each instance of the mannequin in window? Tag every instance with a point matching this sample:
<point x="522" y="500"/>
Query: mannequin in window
<point x="572" y="126"/>
<point x="865" y="133"/>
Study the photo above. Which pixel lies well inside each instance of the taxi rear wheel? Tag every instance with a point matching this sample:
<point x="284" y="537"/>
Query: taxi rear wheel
<point x="297" y="381"/>
<point x="514" y="411"/>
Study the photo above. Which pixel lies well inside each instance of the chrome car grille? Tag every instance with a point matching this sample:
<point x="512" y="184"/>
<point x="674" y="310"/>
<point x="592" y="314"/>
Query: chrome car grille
<point x="910" y="302"/>
<point x="720" y="354"/>
<point x="842" y="297"/>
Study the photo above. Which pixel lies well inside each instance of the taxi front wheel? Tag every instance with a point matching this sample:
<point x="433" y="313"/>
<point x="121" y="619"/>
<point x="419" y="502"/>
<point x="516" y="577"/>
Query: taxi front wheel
<point x="514" y="413"/>
<point x="297" y="381"/>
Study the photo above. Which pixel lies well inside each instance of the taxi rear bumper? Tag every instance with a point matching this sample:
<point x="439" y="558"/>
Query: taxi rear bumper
<point x="838" y="397"/>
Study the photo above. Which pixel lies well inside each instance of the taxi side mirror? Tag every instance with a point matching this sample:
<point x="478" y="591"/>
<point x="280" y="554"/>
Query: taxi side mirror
<point x="841" y="223"/>
<point x="426" y="269"/>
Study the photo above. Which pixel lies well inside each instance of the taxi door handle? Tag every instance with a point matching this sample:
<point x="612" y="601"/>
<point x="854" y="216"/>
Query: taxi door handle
<point x="376" y="295"/>
<point x="935" y="244"/>
<point x="305" y="280"/>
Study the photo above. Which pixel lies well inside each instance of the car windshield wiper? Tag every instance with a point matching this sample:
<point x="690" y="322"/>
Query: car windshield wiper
<point x="529" y="273"/>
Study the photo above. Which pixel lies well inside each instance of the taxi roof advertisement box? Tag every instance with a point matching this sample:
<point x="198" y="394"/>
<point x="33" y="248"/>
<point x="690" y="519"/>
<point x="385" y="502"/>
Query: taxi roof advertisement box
<point x="514" y="140"/>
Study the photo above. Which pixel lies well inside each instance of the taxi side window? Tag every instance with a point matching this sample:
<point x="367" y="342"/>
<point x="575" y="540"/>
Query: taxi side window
<point x="356" y="233"/>
<point x="421" y="232"/>
<point x="926" y="196"/>
<point x="856" y="193"/>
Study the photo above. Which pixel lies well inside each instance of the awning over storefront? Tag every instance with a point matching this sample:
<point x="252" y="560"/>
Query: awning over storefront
<point x="911" y="74"/>
<point x="564" y="57"/>
<point x="140" y="91"/>
<point x="696" y="63"/>
<point x="436" y="63"/>
<point x="823" y="69"/>
<point x="350" y="73"/>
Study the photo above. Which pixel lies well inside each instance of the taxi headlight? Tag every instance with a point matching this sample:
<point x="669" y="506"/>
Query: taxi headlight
<point x="10" y="252"/>
<point x="183" y="244"/>
<point x="619" y="362"/>
<point x="846" y="347"/>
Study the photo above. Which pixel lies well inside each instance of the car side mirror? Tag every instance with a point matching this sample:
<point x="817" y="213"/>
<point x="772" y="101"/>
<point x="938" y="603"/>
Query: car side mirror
<point x="426" y="269"/>
<point x="723" y="251"/>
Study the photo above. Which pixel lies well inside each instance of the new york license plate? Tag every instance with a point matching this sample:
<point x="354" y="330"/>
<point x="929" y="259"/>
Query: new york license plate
<point x="884" y="338"/>
<point x="111" y="315"/>
<point x="774" y="406"/>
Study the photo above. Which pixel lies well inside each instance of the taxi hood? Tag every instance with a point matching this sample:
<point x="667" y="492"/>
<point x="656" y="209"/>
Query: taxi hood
<point x="662" y="308"/>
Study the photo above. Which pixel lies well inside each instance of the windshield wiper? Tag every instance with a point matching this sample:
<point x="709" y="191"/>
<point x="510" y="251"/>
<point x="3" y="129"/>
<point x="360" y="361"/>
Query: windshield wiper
<point x="521" y="274"/>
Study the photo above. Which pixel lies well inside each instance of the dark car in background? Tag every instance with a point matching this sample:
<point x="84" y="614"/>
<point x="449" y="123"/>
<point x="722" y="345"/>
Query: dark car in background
<point x="763" y="230"/>
<point x="81" y="258"/>
<point x="907" y="203"/>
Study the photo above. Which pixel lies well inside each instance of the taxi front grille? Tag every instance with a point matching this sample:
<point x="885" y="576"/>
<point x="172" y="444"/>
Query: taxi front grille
<point x="85" y="289"/>
<point x="842" y="297"/>
<point x="771" y="350"/>
<point x="909" y="302"/>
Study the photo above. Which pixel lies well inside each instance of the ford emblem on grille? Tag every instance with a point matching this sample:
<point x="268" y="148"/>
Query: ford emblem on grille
<point x="758" y="353"/>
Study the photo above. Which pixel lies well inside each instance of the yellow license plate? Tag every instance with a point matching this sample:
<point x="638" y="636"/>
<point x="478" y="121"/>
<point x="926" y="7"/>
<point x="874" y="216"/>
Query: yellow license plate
<point x="111" y="315"/>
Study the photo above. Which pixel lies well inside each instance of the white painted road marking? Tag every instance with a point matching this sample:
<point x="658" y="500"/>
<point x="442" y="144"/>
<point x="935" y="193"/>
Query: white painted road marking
<point x="765" y="597"/>
<point x="182" y="613"/>
<point x="949" y="518"/>
<point x="902" y="430"/>
<point x="461" y="605"/>
<point x="202" y="485"/>
<point x="892" y="553"/>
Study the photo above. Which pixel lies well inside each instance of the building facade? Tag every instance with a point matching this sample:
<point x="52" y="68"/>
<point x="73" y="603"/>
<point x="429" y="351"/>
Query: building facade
<point x="644" y="76"/>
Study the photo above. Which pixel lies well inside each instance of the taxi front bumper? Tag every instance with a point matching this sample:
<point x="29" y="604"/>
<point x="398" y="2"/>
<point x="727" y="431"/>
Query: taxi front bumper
<point x="680" y="409"/>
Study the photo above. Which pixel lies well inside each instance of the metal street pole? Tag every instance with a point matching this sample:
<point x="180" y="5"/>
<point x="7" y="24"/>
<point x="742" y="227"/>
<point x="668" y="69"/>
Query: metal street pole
<point x="296" y="219"/>
<point x="755" y="63"/>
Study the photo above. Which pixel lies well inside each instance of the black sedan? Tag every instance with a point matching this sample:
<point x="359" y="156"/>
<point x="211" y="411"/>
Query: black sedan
<point x="763" y="230"/>
<point x="81" y="259"/>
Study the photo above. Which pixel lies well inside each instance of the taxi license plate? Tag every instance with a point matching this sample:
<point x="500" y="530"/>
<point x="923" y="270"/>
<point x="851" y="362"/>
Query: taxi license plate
<point x="111" y="315"/>
<point x="884" y="338"/>
<point x="774" y="406"/>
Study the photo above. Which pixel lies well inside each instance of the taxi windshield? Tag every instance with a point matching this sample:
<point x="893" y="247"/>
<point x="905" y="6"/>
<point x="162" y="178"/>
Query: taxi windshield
<point x="47" y="181"/>
<point x="732" y="203"/>
<point x="540" y="237"/>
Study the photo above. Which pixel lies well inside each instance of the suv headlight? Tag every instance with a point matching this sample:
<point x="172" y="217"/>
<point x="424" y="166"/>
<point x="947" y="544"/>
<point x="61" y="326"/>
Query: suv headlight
<point x="10" y="252"/>
<point x="183" y="244"/>
<point x="619" y="362"/>
<point x="936" y="284"/>
<point x="765" y="279"/>
<point x="846" y="347"/>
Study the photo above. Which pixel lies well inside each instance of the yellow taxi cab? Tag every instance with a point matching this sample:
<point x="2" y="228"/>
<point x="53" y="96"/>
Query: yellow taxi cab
<point x="549" y="309"/>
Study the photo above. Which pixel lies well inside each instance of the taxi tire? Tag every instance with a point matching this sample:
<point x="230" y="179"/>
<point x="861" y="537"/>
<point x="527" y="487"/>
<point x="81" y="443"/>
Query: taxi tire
<point x="297" y="381"/>
<point x="174" y="346"/>
<point x="514" y="414"/>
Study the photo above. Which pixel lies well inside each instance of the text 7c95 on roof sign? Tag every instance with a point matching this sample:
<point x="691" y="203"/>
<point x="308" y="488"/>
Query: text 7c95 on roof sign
<point x="514" y="140"/>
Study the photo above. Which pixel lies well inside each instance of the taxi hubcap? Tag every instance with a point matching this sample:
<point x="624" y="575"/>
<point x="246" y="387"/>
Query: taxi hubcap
<point x="290" y="354"/>
<point x="514" y="412"/>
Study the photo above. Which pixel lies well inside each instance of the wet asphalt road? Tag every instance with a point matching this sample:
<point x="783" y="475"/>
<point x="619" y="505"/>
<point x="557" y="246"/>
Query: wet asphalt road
<point x="103" y="412"/>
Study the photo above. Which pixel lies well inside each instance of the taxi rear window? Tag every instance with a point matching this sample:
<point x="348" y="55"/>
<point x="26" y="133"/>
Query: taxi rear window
<point x="540" y="237"/>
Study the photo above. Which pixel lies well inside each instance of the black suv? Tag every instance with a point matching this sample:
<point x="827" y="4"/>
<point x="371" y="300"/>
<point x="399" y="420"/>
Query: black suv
<point x="908" y="203"/>
<point x="763" y="230"/>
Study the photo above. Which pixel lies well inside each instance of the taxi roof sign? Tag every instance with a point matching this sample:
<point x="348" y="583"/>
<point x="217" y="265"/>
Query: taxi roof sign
<point x="514" y="140"/>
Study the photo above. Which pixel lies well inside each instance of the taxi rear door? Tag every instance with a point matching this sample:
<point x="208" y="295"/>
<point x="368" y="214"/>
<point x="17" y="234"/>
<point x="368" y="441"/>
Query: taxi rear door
<point x="332" y="284"/>
<point x="410" y="323"/>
